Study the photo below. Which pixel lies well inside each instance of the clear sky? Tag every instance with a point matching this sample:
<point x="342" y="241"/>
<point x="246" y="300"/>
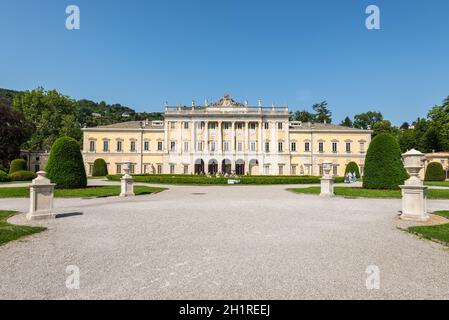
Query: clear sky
<point x="141" y="53"/>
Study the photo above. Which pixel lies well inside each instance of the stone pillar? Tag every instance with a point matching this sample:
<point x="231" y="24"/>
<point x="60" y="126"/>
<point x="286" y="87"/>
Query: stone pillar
<point x="413" y="191"/>
<point x="193" y="137"/>
<point x="327" y="181"/>
<point x="220" y="137"/>
<point x="246" y="146"/>
<point x="127" y="182"/>
<point x="233" y="138"/>
<point x="41" y="198"/>
<point x="206" y="147"/>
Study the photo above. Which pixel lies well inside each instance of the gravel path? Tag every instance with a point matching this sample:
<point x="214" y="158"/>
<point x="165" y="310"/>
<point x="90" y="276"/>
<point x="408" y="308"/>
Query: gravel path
<point x="223" y="242"/>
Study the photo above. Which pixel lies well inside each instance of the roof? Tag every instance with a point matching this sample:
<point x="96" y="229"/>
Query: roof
<point x="131" y="125"/>
<point x="438" y="154"/>
<point x="326" y="126"/>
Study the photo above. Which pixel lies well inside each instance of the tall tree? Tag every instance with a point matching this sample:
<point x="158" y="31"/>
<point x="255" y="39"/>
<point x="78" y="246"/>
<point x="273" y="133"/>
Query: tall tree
<point x="347" y="122"/>
<point x="303" y="116"/>
<point x="367" y="120"/>
<point x="14" y="130"/>
<point x="322" y="112"/>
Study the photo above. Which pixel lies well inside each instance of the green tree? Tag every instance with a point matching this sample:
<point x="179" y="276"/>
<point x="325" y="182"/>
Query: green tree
<point x="434" y="172"/>
<point x="303" y="116"/>
<point x="100" y="168"/>
<point x="353" y="167"/>
<point x="384" y="126"/>
<point x="18" y="165"/>
<point x="367" y="120"/>
<point x="383" y="164"/>
<point x="347" y="122"/>
<point x="65" y="166"/>
<point x="322" y="112"/>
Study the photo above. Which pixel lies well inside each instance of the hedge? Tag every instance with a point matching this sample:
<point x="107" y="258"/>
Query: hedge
<point x="100" y="168"/>
<point x="18" y="165"/>
<point x="434" y="172"/>
<point x="383" y="164"/>
<point x="22" y="176"/>
<point x="65" y="165"/>
<point x="197" y="179"/>
<point x="353" y="167"/>
<point x="4" y="177"/>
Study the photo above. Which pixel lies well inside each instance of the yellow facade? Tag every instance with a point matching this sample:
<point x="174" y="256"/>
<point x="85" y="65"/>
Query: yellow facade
<point x="225" y="137"/>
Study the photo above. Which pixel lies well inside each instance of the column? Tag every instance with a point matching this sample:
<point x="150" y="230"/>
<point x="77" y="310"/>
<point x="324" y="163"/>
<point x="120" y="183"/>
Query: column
<point x="193" y="137"/>
<point x="273" y="137"/>
<point x="246" y="146"/>
<point x="260" y="137"/>
<point x="233" y="138"/>
<point x="181" y="142"/>
<point x="167" y="127"/>
<point x="206" y="147"/>
<point x="220" y="137"/>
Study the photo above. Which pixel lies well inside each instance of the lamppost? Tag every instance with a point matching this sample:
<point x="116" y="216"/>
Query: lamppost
<point x="413" y="191"/>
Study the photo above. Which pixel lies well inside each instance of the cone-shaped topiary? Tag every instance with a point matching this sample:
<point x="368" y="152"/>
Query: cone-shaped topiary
<point x="383" y="165"/>
<point x="18" y="165"/>
<point x="434" y="172"/>
<point x="100" y="168"/>
<point x="65" y="165"/>
<point x="353" y="167"/>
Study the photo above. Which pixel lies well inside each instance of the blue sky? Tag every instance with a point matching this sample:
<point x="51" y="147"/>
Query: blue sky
<point x="141" y="53"/>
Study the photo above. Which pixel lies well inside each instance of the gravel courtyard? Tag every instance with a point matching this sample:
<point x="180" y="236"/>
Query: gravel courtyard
<point x="223" y="242"/>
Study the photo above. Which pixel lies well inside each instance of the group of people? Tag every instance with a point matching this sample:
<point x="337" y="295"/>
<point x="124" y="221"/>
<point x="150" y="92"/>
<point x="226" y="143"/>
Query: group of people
<point x="350" y="177"/>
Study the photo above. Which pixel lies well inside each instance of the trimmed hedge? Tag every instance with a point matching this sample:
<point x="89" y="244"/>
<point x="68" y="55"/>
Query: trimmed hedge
<point x="353" y="167"/>
<point x="383" y="165"/>
<point x="65" y="165"/>
<point x="22" y="176"/>
<point x="18" y="165"/>
<point x="197" y="179"/>
<point x="2" y="168"/>
<point x="100" y="168"/>
<point x="434" y="172"/>
<point x="4" y="177"/>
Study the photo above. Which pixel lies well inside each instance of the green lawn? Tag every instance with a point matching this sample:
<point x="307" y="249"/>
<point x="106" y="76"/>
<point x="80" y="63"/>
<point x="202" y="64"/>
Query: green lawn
<point x="437" y="183"/>
<point x="439" y="232"/>
<point x="13" y="182"/>
<point x="369" y="193"/>
<point x="106" y="191"/>
<point x="9" y="232"/>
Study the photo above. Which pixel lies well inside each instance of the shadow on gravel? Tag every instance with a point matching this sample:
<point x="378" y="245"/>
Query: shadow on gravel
<point x="68" y="214"/>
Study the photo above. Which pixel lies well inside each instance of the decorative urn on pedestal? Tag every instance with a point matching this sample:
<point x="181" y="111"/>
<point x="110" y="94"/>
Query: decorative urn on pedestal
<point x="41" y="198"/>
<point x="327" y="181"/>
<point x="413" y="191"/>
<point x="127" y="182"/>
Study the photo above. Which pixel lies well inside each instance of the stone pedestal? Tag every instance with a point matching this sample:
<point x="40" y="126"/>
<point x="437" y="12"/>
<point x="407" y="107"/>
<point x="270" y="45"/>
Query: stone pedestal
<point x="414" y="203"/>
<point x="327" y="186"/>
<point x="41" y="198"/>
<point x="327" y="181"/>
<point x="127" y="182"/>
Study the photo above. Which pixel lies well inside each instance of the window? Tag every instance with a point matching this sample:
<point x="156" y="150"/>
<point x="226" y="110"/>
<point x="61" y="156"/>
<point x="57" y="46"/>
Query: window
<point x="280" y="146"/>
<point x="186" y="146"/>
<point x="105" y="145"/>
<point x="200" y="146"/>
<point x="307" y="147"/>
<point x="253" y="146"/>
<point x="266" y="125"/>
<point x="131" y="168"/>
<point x="92" y="146"/>
<point x="239" y="126"/>
<point x="159" y="168"/>
<point x="159" y="146"/>
<point x="226" y="146"/>
<point x="172" y="169"/>
<point x="36" y="168"/>
<point x="172" y="125"/>
<point x="321" y="169"/>
<point x="294" y="146"/>
<point x="145" y="168"/>
<point x="186" y="169"/>
<point x="226" y="125"/>
<point x="293" y="170"/>
<point x="267" y="147"/>
<point x="240" y="146"/>
<point x="91" y="166"/>
<point x="133" y="146"/>
<point x="281" y="169"/>
<point x="252" y="126"/>
<point x="118" y="168"/>
<point x="321" y="147"/>
<point x="334" y="147"/>
<point x="266" y="169"/>
<point x="348" y="147"/>
<point x="335" y="169"/>
<point x="146" y="145"/>
<point x="361" y="169"/>
<point x="172" y="146"/>
<point x="362" y="147"/>
<point x="212" y="146"/>
<point x="119" y="146"/>
<point x="186" y="125"/>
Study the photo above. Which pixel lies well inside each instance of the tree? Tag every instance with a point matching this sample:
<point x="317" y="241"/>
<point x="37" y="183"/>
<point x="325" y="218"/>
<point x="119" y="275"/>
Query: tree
<point x="352" y="167"/>
<point x="407" y="140"/>
<point x="100" y="168"/>
<point x="303" y="116"/>
<point x="18" y="165"/>
<point x="432" y="139"/>
<point x="434" y="172"/>
<point x="384" y="126"/>
<point x="404" y="126"/>
<point x="367" y="120"/>
<point x="347" y="122"/>
<point x="65" y="165"/>
<point x="383" y="164"/>
<point x="322" y="112"/>
<point x="14" y="130"/>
